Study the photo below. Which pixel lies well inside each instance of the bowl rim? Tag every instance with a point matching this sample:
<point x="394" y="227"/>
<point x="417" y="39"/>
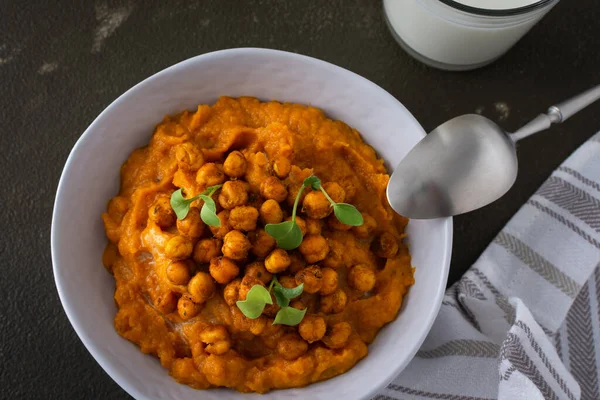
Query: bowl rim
<point x="388" y="375"/>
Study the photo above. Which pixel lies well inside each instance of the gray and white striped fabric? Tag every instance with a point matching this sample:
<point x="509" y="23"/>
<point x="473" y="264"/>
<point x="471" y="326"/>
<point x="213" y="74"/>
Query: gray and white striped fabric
<point x="524" y="321"/>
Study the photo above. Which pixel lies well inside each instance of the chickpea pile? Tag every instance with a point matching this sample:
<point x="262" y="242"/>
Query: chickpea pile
<point x="233" y="257"/>
<point x="181" y="277"/>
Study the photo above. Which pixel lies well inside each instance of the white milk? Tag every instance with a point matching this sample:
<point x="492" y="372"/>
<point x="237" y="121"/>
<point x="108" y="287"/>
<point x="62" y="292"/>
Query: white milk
<point x="497" y="4"/>
<point x="452" y="38"/>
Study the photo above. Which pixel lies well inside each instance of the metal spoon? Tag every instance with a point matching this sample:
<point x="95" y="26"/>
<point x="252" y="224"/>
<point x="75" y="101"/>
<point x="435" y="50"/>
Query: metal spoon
<point x="467" y="163"/>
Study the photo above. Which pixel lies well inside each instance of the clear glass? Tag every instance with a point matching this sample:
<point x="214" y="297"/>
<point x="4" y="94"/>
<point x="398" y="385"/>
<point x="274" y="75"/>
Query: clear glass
<point x="458" y="38"/>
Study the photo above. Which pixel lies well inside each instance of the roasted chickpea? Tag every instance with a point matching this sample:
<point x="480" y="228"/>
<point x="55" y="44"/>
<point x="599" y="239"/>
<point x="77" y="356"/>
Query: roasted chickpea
<point x="311" y="277"/>
<point x="385" y="245"/>
<point x="298" y="263"/>
<point x="231" y="293"/>
<point x="262" y="243"/>
<point x="288" y="282"/>
<point x="224" y="228"/>
<point x="233" y="194"/>
<point x="291" y="346"/>
<point x="235" y="164"/>
<point x="337" y="335"/>
<point x="314" y="226"/>
<point x="298" y="304"/>
<point x="192" y="225"/>
<point x="218" y="348"/>
<point x="189" y="157"/>
<point x="179" y="247"/>
<point x="335" y="191"/>
<point x="178" y="272"/>
<point x="293" y="189"/>
<point x="247" y="283"/>
<point x="271" y="334"/>
<point x="167" y="303"/>
<point x="270" y="212"/>
<point x="300" y="222"/>
<point x="316" y="205"/>
<point x="277" y="261"/>
<point x="206" y="249"/>
<point x="273" y="188"/>
<point x="258" y="325"/>
<point x="335" y="258"/>
<point x="314" y="248"/>
<point x="335" y="224"/>
<point x="210" y="174"/>
<point x="255" y="326"/>
<point x="236" y="246"/>
<point x="271" y="310"/>
<point x="334" y="303"/>
<point x="223" y="269"/>
<point x="186" y="308"/>
<point x="367" y="228"/>
<point x="330" y="281"/>
<point x="282" y="167"/>
<point x="243" y="218"/>
<point x="201" y="287"/>
<point x="257" y="269"/>
<point x="361" y="278"/>
<point x="312" y="328"/>
<point x="216" y="339"/>
<point x="161" y="213"/>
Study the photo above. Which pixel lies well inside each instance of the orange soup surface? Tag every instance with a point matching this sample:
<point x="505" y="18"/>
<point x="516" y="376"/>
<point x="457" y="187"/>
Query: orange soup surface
<point x="178" y="281"/>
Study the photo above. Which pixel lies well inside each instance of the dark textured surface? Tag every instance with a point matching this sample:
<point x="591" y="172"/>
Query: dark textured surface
<point x="55" y="79"/>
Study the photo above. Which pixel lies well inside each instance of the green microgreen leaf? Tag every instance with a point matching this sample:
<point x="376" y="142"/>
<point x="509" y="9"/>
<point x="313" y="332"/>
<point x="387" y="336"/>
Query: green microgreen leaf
<point x="272" y="283"/>
<point x="287" y="234"/>
<point x="211" y="189"/>
<point x="313" y="181"/>
<point x="208" y="212"/>
<point x="289" y="316"/>
<point x="348" y="214"/>
<point x="282" y="301"/>
<point x="255" y="302"/>
<point x="209" y="203"/>
<point x="290" y="293"/>
<point x="180" y="205"/>
<point x="284" y="295"/>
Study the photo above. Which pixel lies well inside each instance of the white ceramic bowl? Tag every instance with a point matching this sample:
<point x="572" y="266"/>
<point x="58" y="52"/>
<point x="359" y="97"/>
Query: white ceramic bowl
<point x="91" y="177"/>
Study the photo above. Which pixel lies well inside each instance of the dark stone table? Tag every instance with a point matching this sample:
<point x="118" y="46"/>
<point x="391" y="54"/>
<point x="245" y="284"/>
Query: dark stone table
<point x="62" y="63"/>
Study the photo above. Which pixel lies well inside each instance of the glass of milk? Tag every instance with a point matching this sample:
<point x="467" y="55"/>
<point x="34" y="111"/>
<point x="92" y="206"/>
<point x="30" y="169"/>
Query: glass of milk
<point x="460" y="35"/>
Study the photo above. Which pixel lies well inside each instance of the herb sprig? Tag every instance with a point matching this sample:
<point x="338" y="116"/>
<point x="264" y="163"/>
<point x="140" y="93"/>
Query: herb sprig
<point x="286" y="315"/>
<point x="258" y="297"/>
<point x="256" y="300"/>
<point x="288" y="234"/>
<point x="344" y="212"/>
<point x="208" y="212"/>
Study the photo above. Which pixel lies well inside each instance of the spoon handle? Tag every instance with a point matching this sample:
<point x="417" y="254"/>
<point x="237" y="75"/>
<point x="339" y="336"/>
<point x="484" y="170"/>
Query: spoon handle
<point x="567" y="108"/>
<point x="558" y="113"/>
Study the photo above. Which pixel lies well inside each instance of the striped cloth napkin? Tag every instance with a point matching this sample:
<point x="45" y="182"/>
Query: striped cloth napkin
<point x="524" y="321"/>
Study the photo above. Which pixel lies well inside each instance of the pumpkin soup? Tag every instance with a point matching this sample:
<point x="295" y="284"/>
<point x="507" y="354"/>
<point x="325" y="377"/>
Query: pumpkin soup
<point x="253" y="247"/>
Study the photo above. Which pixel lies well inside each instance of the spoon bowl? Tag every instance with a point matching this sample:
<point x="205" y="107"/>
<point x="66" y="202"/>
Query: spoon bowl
<point x="467" y="163"/>
<point x="460" y="166"/>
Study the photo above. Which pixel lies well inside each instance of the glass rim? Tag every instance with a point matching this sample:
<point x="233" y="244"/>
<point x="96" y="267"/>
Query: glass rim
<point x="497" y="13"/>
